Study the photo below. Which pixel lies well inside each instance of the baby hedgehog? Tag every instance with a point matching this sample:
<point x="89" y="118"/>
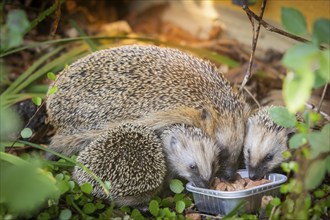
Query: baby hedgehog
<point x="190" y="154"/>
<point x="130" y="82"/>
<point x="131" y="158"/>
<point x="265" y="142"/>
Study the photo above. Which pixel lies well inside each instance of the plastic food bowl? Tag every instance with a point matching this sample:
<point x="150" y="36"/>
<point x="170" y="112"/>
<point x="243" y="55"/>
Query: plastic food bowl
<point x="223" y="202"/>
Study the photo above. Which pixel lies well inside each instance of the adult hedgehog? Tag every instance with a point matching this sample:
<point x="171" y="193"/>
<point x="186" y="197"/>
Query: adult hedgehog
<point x="167" y="85"/>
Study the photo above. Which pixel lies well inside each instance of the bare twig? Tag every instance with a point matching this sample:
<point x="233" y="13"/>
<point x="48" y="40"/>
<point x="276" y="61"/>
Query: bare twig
<point x="252" y="96"/>
<point x="57" y="18"/>
<point x="322" y="97"/>
<point x="312" y="107"/>
<point x="271" y="28"/>
<point x="254" y="42"/>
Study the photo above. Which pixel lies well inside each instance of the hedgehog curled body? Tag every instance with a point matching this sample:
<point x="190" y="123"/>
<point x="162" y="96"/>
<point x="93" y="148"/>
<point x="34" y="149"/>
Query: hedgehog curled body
<point x="131" y="82"/>
<point x="264" y="144"/>
<point x="131" y="158"/>
<point x="138" y="163"/>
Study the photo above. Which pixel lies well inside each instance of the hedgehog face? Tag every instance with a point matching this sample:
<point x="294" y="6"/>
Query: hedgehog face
<point x="263" y="148"/>
<point x="191" y="154"/>
<point x="230" y="140"/>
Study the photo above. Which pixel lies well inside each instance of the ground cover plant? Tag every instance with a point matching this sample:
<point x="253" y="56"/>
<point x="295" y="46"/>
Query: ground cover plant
<point x="35" y="188"/>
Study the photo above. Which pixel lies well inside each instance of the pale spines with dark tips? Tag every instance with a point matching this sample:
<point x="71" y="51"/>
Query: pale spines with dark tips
<point x="131" y="158"/>
<point x="191" y="154"/>
<point x="264" y="144"/>
<point x="132" y="82"/>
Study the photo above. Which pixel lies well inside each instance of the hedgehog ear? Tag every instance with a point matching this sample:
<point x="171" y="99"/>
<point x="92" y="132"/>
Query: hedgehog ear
<point x="204" y="113"/>
<point x="173" y="141"/>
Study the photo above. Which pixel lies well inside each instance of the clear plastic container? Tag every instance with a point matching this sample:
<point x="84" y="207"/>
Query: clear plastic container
<point x="223" y="202"/>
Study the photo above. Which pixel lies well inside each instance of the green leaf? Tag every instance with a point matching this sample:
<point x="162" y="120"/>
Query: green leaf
<point x="293" y="21"/>
<point x="52" y="90"/>
<point x="37" y="100"/>
<point x="44" y="216"/>
<point x="17" y="21"/>
<point x="300" y="57"/>
<point x="26" y="133"/>
<point x="65" y="214"/>
<point x="168" y="213"/>
<point x="87" y="188"/>
<point x="319" y="80"/>
<point x="24" y="187"/>
<point x="286" y="154"/>
<point x="51" y="76"/>
<point x="281" y="116"/>
<point x="319" y="193"/>
<point x="89" y="208"/>
<point x="297" y="140"/>
<point x="319" y="141"/>
<point x="315" y="174"/>
<point x="321" y="31"/>
<point x="297" y="89"/>
<point x="176" y="186"/>
<point x="99" y="205"/>
<point x="154" y="208"/>
<point x="285" y="167"/>
<point x="63" y="186"/>
<point x="180" y="206"/>
<point x="275" y="202"/>
<point x="59" y="176"/>
<point x="136" y="215"/>
<point x="324" y="59"/>
<point x="284" y="188"/>
<point x="294" y="166"/>
<point x="328" y="164"/>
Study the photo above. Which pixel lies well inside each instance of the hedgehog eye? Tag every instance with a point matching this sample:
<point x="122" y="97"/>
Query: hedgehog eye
<point x="193" y="166"/>
<point x="269" y="157"/>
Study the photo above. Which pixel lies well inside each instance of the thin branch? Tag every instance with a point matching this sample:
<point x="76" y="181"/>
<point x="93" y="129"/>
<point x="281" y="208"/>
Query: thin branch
<point x="322" y="97"/>
<point x="254" y="42"/>
<point x="271" y="28"/>
<point x="252" y="96"/>
<point x="57" y="18"/>
<point x="312" y="107"/>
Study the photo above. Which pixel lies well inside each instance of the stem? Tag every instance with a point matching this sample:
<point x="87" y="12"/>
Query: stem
<point x="254" y="43"/>
<point x="322" y="98"/>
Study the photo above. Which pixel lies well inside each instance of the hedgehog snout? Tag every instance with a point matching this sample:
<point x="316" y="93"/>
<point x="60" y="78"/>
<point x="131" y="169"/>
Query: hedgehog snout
<point x="255" y="174"/>
<point x="198" y="181"/>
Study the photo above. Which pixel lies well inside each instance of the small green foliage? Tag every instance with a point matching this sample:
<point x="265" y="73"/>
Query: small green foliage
<point x="13" y="31"/>
<point x="136" y="214"/>
<point x="321" y="31"/>
<point x="26" y="133"/>
<point x="286" y="154"/>
<point x="89" y="208"/>
<point x="275" y="202"/>
<point x="180" y="206"/>
<point x="51" y="76"/>
<point x="87" y="188"/>
<point x="319" y="141"/>
<point x="319" y="193"/>
<point x="37" y="100"/>
<point x="297" y="140"/>
<point x="52" y="90"/>
<point x="315" y="174"/>
<point x="176" y="186"/>
<point x="282" y="117"/>
<point x="154" y="208"/>
<point x="297" y="89"/>
<point x="10" y="123"/>
<point x="65" y="214"/>
<point x="293" y="21"/>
